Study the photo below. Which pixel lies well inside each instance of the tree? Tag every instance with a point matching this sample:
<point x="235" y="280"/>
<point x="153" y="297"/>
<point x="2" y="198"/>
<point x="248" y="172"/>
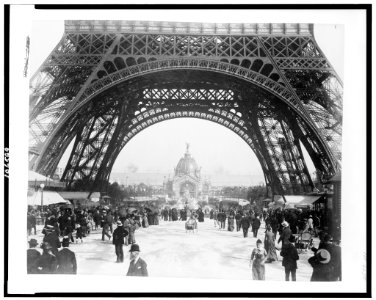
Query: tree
<point x="257" y="195"/>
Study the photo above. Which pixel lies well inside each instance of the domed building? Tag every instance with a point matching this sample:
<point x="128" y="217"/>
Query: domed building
<point x="187" y="183"/>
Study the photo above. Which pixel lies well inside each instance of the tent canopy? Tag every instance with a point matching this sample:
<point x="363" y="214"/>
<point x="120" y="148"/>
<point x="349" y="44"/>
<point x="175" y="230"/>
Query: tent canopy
<point x="307" y="200"/>
<point x="79" y="195"/>
<point x="294" y="200"/>
<point x="49" y="197"/>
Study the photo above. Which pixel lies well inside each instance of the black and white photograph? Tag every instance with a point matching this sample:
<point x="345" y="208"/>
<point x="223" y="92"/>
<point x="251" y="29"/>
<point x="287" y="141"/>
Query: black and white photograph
<point x="195" y="150"/>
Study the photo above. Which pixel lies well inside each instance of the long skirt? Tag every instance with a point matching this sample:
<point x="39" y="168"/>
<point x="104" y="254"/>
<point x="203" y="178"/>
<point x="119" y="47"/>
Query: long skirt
<point x="230" y="224"/>
<point x="145" y="222"/>
<point x="271" y="253"/>
<point x="258" y="272"/>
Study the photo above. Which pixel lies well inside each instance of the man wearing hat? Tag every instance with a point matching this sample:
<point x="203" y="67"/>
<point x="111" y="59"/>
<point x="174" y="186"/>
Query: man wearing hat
<point x="290" y="256"/>
<point x="47" y="263"/>
<point x="335" y="253"/>
<point x="66" y="259"/>
<point x="137" y="266"/>
<point x="322" y="268"/>
<point x="256" y="223"/>
<point x="245" y="223"/>
<point x="52" y="238"/>
<point x="32" y="257"/>
<point x="285" y="235"/>
<point x="118" y="240"/>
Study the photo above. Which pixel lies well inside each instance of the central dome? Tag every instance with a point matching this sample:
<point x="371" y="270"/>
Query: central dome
<point x="187" y="165"/>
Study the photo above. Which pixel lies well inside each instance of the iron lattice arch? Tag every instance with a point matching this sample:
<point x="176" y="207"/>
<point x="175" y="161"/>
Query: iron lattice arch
<point x="108" y="80"/>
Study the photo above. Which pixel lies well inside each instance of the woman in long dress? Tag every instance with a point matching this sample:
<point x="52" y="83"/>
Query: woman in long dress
<point x="269" y="243"/>
<point x="258" y="259"/>
<point x="145" y="222"/>
<point x="230" y="221"/>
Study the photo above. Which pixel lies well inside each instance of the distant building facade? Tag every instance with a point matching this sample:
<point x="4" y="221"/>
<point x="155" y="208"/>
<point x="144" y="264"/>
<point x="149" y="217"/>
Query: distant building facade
<point x="187" y="182"/>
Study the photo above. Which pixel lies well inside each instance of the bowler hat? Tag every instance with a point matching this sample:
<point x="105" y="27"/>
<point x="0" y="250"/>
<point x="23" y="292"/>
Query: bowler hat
<point x="258" y="241"/>
<point x="119" y="223"/>
<point x="323" y="255"/>
<point x="135" y="247"/>
<point x="33" y="243"/>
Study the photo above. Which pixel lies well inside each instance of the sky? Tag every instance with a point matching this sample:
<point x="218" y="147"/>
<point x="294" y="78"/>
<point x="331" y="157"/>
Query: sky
<point x="158" y="148"/>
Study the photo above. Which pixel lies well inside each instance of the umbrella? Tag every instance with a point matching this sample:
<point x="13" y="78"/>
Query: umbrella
<point x="243" y="202"/>
<point x="132" y="209"/>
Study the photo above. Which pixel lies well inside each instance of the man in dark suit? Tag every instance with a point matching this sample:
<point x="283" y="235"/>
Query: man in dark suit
<point x="137" y="266"/>
<point x="47" y="263"/>
<point x="256" y="223"/>
<point x="238" y="218"/>
<point x="66" y="259"/>
<point x="118" y="240"/>
<point x="52" y="238"/>
<point x="290" y="256"/>
<point x="32" y="257"/>
<point x="245" y="222"/>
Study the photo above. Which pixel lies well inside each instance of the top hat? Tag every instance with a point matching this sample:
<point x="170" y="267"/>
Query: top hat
<point x="285" y="224"/>
<point x="134" y="247"/>
<point x="323" y="255"/>
<point x="33" y="243"/>
<point x="118" y="223"/>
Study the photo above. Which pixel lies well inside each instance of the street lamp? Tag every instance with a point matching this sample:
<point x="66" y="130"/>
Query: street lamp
<point x="41" y="198"/>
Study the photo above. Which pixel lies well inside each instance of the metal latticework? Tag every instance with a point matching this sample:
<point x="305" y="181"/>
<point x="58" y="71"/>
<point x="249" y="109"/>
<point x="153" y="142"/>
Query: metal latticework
<point x="108" y="80"/>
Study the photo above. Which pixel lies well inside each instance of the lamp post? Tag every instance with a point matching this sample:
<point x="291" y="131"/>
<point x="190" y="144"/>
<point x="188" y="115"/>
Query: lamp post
<point x="41" y="198"/>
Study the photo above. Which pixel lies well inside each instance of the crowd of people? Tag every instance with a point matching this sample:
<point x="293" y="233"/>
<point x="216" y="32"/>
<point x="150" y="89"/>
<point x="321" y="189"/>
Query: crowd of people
<point x="289" y="225"/>
<point x="63" y="226"/>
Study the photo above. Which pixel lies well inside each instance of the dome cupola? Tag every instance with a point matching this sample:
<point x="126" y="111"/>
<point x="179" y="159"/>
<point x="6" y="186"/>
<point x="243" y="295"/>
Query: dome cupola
<point x="187" y="165"/>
